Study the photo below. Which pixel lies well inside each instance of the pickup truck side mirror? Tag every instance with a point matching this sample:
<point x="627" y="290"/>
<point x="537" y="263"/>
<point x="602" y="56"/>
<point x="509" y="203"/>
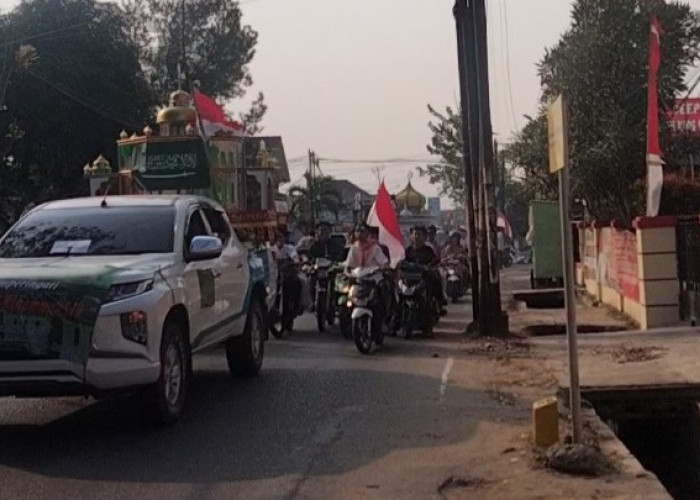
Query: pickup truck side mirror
<point x="205" y="248"/>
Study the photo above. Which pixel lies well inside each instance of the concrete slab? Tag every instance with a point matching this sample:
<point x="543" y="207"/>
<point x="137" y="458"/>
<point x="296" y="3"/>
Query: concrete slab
<point x="662" y="357"/>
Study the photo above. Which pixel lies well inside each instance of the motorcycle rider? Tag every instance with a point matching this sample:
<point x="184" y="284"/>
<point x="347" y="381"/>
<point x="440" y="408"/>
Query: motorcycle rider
<point x="304" y="244"/>
<point x="432" y="242"/>
<point x="455" y="250"/>
<point x="454" y="246"/>
<point x="366" y="252"/>
<point x="323" y="247"/>
<point x="419" y="252"/>
<point x="285" y="254"/>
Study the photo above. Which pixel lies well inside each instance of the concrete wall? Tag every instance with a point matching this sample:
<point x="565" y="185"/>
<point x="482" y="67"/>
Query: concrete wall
<point x="658" y="271"/>
<point x="651" y="300"/>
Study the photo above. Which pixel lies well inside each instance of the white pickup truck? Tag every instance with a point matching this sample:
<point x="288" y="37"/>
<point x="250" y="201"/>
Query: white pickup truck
<point x="105" y="294"/>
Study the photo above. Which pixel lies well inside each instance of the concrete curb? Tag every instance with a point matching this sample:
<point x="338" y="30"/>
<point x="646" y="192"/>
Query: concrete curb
<point x="627" y="463"/>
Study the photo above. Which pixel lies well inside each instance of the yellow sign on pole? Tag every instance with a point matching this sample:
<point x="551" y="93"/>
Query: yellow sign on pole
<point x="557" y="133"/>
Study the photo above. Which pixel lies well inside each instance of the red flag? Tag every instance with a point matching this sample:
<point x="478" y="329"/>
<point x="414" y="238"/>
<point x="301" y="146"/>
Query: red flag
<point x="384" y="216"/>
<point x="212" y="116"/>
<point x="654" y="161"/>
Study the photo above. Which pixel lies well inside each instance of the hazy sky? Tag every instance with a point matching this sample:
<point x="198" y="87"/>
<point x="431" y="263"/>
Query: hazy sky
<point x="352" y="79"/>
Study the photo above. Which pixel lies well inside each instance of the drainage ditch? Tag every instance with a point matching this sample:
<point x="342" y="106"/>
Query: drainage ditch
<point x="661" y="428"/>
<point x="560" y="329"/>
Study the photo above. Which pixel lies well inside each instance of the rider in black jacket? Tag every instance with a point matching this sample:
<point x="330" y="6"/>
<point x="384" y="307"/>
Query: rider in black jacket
<point x="420" y="253"/>
<point x="324" y="248"/>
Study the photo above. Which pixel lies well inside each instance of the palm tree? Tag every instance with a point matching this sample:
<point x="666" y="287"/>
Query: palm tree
<point x="325" y="199"/>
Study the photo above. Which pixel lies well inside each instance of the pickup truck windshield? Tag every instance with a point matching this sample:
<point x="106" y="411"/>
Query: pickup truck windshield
<point x="91" y="231"/>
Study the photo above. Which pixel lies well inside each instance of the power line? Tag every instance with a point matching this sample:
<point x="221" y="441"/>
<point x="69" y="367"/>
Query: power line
<point x="509" y="79"/>
<point x="45" y="34"/>
<point x="110" y="115"/>
<point x="382" y="160"/>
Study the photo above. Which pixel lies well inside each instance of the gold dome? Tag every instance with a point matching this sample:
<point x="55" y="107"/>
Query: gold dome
<point x="410" y="198"/>
<point x="180" y="98"/>
<point x="176" y="115"/>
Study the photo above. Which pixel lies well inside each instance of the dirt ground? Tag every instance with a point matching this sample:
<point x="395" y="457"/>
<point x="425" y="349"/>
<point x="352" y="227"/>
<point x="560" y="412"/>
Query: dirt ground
<point x="499" y="461"/>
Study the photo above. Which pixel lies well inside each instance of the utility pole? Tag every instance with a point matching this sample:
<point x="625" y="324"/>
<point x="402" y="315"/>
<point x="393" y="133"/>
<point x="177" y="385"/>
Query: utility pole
<point x="468" y="156"/>
<point x="499" y="319"/>
<point x="474" y="71"/>
<point x="183" y="48"/>
<point x="312" y="186"/>
<point x="500" y="177"/>
<point x="377" y="171"/>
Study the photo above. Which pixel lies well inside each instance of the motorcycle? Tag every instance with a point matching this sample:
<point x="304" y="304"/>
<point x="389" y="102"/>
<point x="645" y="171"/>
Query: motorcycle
<point x="322" y="271"/>
<point x="506" y="258"/>
<point x="367" y="316"/>
<point x="285" y="309"/>
<point x="457" y="278"/>
<point x="523" y="256"/>
<point x="417" y="307"/>
<point x="343" y="304"/>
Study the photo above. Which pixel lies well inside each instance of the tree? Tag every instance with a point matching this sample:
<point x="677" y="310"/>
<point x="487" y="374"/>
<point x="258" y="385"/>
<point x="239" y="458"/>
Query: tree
<point x="319" y="189"/>
<point x="528" y="155"/>
<point x="83" y="86"/>
<point x="207" y="41"/>
<point x="252" y="119"/>
<point x="600" y="64"/>
<point x="446" y="143"/>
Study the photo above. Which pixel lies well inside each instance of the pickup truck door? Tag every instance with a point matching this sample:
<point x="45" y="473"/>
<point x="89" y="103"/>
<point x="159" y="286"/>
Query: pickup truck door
<point x="200" y="283"/>
<point x="232" y="282"/>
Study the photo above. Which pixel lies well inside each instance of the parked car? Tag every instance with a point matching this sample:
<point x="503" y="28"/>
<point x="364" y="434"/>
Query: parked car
<point x="106" y="294"/>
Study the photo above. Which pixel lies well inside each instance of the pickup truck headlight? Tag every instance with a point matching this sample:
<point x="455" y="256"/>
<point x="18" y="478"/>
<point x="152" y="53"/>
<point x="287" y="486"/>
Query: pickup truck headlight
<point x="128" y="290"/>
<point x="135" y="326"/>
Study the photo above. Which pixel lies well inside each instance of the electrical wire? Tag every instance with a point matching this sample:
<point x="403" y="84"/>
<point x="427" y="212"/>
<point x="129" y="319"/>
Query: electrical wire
<point x="45" y="34"/>
<point x="381" y="160"/>
<point x="509" y="79"/>
<point x="105" y="113"/>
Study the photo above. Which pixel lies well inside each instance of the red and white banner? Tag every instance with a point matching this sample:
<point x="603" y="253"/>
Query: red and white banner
<point x="502" y="222"/>
<point x="655" y="174"/>
<point x="212" y="117"/>
<point x="383" y="216"/>
<point x="685" y="116"/>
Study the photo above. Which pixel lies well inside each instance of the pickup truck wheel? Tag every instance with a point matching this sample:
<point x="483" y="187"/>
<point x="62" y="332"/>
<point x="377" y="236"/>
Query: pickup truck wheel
<point x="170" y="391"/>
<point x="245" y="353"/>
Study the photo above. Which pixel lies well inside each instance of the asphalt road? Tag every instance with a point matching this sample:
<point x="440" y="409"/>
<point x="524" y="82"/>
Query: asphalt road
<point x="321" y="421"/>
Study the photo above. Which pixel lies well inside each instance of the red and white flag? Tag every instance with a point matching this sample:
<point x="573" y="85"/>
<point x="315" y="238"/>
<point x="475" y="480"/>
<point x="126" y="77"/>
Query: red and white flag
<point x="655" y="173"/>
<point x="212" y="116"/>
<point x="383" y="215"/>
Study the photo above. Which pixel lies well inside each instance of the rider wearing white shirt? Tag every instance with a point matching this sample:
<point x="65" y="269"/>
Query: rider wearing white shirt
<point x="366" y="252"/>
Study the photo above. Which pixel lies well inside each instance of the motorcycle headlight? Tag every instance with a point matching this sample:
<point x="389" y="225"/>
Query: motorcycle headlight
<point x="127" y="290"/>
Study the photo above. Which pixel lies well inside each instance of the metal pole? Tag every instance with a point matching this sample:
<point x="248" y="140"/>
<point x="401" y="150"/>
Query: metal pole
<point x="570" y="302"/>
<point x="312" y="187"/>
